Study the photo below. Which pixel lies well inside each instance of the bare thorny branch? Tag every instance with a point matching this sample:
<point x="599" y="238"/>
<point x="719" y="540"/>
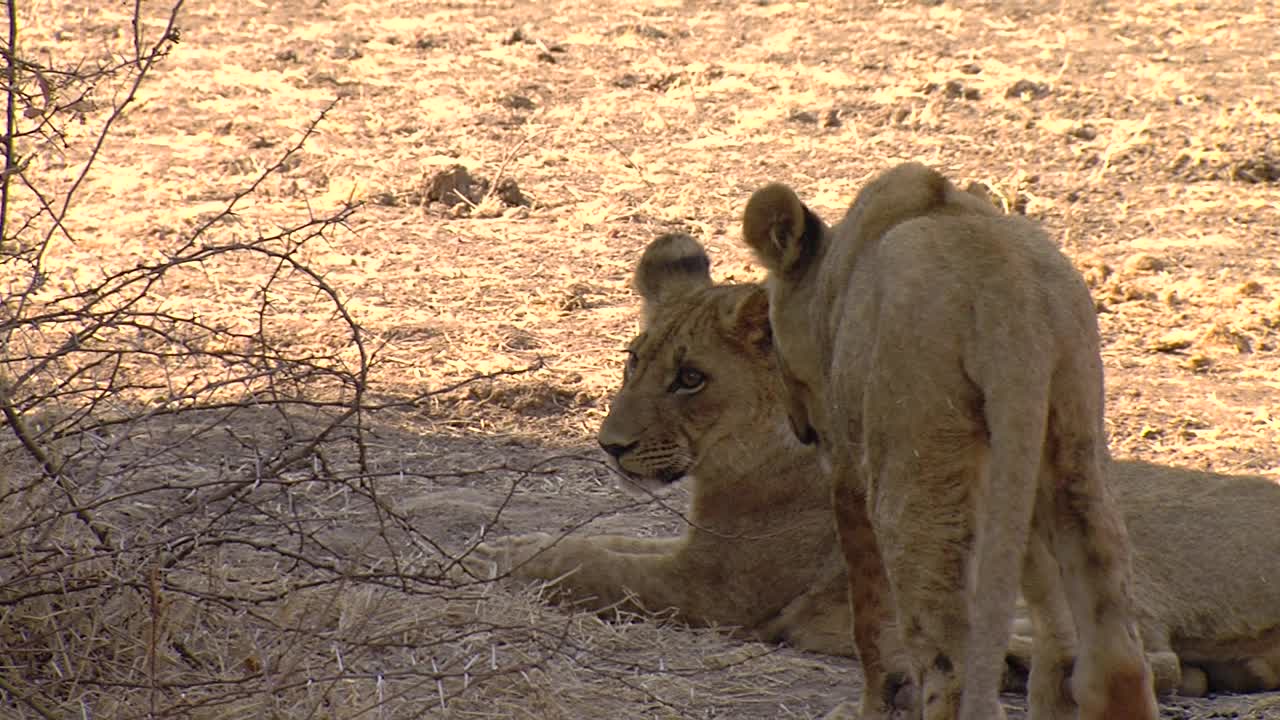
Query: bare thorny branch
<point x="106" y="388"/>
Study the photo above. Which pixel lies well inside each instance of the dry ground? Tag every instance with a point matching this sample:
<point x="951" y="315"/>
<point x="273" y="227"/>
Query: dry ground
<point x="1143" y="135"/>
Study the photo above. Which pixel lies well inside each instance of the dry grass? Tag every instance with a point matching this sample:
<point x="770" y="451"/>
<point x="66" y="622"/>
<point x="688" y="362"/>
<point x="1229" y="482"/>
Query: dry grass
<point x="324" y="396"/>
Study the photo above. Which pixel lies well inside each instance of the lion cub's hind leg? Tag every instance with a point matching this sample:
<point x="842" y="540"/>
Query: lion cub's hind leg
<point x="1052" y="652"/>
<point x="1111" y="679"/>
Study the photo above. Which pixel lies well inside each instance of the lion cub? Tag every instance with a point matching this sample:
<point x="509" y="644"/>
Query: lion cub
<point x="945" y="359"/>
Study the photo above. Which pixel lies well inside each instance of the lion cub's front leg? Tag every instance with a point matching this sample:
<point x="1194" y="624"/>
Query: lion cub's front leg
<point x="603" y="571"/>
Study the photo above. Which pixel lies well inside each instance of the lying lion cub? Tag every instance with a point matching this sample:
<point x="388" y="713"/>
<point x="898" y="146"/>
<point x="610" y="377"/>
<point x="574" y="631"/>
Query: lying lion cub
<point x="761" y="555"/>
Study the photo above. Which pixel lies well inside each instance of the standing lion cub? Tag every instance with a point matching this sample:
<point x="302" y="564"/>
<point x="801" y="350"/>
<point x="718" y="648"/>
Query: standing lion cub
<point x="945" y="358"/>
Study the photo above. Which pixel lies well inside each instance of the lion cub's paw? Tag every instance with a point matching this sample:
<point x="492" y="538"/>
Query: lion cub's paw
<point x="514" y="552"/>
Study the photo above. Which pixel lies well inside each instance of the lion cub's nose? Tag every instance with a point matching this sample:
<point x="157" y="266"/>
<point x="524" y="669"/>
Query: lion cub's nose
<point x="617" y="450"/>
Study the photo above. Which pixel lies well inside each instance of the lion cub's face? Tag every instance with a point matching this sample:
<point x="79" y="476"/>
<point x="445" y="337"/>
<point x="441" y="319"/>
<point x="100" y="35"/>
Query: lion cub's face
<point x="688" y="385"/>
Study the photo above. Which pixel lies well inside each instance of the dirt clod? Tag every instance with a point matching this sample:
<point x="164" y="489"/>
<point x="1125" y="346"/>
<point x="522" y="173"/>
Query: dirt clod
<point x="1084" y="132"/>
<point x="1173" y="342"/>
<point x="804" y="117"/>
<point x="510" y="195"/>
<point x="1096" y="273"/>
<point x="958" y="90"/>
<point x="518" y="102"/>
<point x="1263" y="169"/>
<point x="519" y="35"/>
<point x="1028" y="90"/>
<point x="1140" y="263"/>
<point x="347" y="52"/>
<point x="1250" y="288"/>
<point x="641" y="30"/>
<point x="627" y="80"/>
<point x="454" y="185"/>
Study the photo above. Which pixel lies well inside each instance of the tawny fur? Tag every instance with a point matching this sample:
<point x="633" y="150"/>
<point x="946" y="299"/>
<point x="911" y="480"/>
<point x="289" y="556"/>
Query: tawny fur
<point x="1205" y="560"/>
<point x="946" y="358"/>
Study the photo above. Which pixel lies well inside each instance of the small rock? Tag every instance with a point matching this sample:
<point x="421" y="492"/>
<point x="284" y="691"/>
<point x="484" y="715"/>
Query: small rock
<point x="1250" y="288"/>
<point x="1257" y="170"/>
<point x="664" y="83"/>
<point x="957" y="89"/>
<point x="510" y="195"/>
<point x="645" y="31"/>
<point x="455" y="185"/>
<point x="518" y="102"/>
<point x="1173" y="342"/>
<point x="1197" y="363"/>
<point x="347" y="52"/>
<point x="519" y="35"/>
<point x="806" y="117"/>
<point x="1227" y="336"/>
<point x="1028" y="90"/>
<point x="1096" y="274"/>
<point x="971" y="68"/>
<point x="1084" y="132"/>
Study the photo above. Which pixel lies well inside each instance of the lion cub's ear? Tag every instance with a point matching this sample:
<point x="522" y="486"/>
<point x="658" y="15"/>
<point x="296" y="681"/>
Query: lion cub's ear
<point x="780" y="230"/>
<point x="750" y="322"/>
<point x="672" y="266"/>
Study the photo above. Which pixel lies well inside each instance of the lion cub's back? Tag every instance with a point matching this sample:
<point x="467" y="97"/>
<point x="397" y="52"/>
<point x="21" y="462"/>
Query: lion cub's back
<point x="945" y="265"/>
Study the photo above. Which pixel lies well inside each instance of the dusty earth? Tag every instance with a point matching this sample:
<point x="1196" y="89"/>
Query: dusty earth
<point x="1142" y="135"/>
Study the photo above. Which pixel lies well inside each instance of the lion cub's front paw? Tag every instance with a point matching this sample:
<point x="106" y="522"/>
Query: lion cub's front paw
<point x="518" y="554"/>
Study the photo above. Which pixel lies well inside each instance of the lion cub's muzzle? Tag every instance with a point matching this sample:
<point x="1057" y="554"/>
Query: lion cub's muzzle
<point x="653" y="478"/>
<point x="616" y="450"/>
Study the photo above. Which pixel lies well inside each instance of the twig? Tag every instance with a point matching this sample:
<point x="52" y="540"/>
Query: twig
<point x="10" y="120"/>
<point x="27" y="700"/>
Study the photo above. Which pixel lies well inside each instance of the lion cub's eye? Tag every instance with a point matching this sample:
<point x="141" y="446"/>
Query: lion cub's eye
<point x="688" y="380"/>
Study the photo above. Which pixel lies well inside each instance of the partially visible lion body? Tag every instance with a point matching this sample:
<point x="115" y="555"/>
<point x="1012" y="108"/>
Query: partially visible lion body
<point x="761" y="553"/>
